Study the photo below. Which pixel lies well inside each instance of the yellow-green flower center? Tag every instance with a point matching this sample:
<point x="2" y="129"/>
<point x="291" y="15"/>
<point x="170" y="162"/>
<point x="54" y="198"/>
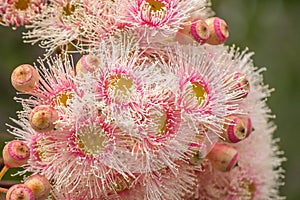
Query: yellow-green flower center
<point x="249" y="186"/>
<point x="91" y="141"/>
<point x="199" y="92"/>
<point x="155" y="5"/>
<point x="63" y="99"/>
<point x="68" y="9"/>
<point x="159" y="120"/>
<point x="22" y="4"/>
<point x="120" y="87"/>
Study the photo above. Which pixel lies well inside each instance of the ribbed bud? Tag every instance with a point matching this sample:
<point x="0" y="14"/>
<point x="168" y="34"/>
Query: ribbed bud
<point x="39" y="185"/>
<point x="235" y="129"/>
<point x="223" y="157"/>
<point x="196" y="30"/>
<point x="25" y="78"/>
<point x="42" y="118"/>
<point x="218" y="31"/>
<point x="87" y="63"/>
<point x="19" y="192"/>
<point x="15" y="154"/>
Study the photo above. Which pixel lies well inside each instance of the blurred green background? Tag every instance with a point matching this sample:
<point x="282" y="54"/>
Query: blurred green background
<point x="270" y="28"/>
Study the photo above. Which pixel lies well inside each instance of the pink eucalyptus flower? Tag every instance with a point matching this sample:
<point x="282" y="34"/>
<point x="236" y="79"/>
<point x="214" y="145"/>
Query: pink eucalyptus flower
<point x="158" y="16"/>
<point x="18" y="12"/>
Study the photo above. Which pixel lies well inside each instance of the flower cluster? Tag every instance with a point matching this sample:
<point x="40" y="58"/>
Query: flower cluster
<point x="155" y="108"/>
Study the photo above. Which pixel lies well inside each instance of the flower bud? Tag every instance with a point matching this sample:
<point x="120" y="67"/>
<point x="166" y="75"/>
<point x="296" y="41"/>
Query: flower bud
<point x="218" y="31"/>
<point x="19" y="192"/>
<point x="197" y="30"/>
<point x="25" y="78"/>
<point x="42" y="118"/>
<point x="15" y="154"/>
<point x="39" y="185"/>
<point x="87" y="63"/>
<point x="235" y="129"/>
<point x="223" y="157"/>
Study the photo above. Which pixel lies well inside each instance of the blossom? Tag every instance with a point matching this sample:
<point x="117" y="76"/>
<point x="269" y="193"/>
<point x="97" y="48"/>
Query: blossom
<point x="203" y="93"/>
<point x="141" y="116"/>
<point x="18" y="12"/>
<point x="162" y="184"/>
<point x="258" y="174"/>
<point x="68" y="24"/>
<point x="80" y="142"/>
<point x="159" y="16"/>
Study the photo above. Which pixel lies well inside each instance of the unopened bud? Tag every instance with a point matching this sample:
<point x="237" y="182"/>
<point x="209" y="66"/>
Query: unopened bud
<point x="218" y="31"/>
<point x="25" y="78"/>
<point x="42" y="118"/>
<point x="223" y="157"/>
<point x="197" y="30"/>
<point x="39" y="185"/>
<point x="236" y="129"/>
<point x="19" y="192"/>
<point x="87" y="63"/>
<point x="15" y="154"/>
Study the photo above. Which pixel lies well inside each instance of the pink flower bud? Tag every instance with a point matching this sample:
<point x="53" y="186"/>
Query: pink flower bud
<point x="42" y="118"/>
<point x="223" y="157"/>
<point x="39" y="185"/>
<point x="87" y="63"/>
<point x="19" y="192"/>
<point x="236" y="129"/>
<point x="25" y="78"/>
<point x="15" y="154"/>
<point x="218" y="31"/>
<point x="197" y="30"/>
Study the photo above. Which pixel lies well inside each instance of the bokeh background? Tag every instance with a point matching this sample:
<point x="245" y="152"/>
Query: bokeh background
<point x="270" y="28"/>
